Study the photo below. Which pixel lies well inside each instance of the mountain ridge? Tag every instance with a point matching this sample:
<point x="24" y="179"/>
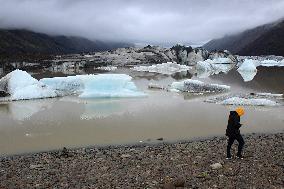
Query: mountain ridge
<point x="266" y="39"/>
<point x="21" y="42"/>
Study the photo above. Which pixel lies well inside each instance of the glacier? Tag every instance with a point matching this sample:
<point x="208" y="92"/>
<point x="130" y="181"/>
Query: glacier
<point x="196" y="86"/>
<point x="22" y="86"/>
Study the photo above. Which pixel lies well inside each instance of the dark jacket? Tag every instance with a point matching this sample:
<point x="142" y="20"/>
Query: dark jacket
<point x="233" y="127"/>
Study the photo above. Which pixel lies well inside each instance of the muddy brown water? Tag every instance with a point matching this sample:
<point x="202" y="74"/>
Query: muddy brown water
<point x="47" y="124"/>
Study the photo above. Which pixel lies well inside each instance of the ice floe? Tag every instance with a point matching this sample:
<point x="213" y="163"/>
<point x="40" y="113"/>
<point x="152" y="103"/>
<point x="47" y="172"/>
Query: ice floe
<point x="196" y="86"/>
<point x="107" y="68"/>
<point x="156" y="86"/>
<point x="164" y="68"/>
<point x="270" y="63"/>
<point x="20" y="85"/>
<point x="248" y="102"/>
<point x="211" y="67"/>
<point x="251" y="99"/>
<point x="280" y="96"/>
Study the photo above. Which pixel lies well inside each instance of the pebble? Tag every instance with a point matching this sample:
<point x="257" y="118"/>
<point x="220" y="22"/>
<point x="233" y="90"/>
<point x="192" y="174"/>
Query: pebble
<point x="163" y="165"/>
<point x="216" y="166"/>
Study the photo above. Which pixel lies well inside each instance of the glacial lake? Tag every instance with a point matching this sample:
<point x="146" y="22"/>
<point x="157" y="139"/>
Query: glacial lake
<point x="48" y="124"/>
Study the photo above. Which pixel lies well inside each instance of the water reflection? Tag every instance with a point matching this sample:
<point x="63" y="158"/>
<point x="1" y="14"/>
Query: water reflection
<point x="23" y="110"/>
<point x="101" y="109"/>
<point x="247" y="76"/>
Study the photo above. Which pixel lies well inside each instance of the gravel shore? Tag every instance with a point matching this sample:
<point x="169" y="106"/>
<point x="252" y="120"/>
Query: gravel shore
<point x="195" y="164"/>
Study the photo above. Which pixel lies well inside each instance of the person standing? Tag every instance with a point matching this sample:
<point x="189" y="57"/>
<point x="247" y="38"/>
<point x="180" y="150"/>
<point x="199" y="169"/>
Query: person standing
<point x="233" y="132"/>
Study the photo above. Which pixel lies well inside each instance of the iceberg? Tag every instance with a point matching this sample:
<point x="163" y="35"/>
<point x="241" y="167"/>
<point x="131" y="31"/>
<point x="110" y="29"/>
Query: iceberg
<point x="156" y="86"/>
<point x="22" y="86"/>
<point x="270" y="63"/>
<point x="247" y="70"/>
<point x="95" y="86"/>
<point x="70" y="85"/>
<point x="168" y="68"/>
<point x="109" y="85"/>
<point x="249" y="102"/>
<point x="247" y="76"/>
<point x="271" y="95"/>
<point x="210" y="67"/>
<point x="195" y="86"/>
<point x="248" y="66"/>
<point x="106" y="68"/>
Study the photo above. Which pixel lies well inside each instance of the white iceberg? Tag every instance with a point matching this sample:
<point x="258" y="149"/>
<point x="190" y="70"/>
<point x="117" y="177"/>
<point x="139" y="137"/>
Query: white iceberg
<point x="248" y="66"/>
<point x="248" y="102"/>
<point x="271" y="95"/>
<point x="164" y="68"/>
<point x="95" y="86"/>
<point x="109" y="85"/>
<point x="107" y="68"/>
<point x="248" y="69"/>
<point x="20" y="85"/>
<point x="270" y="63"/>
<point x="220" y="60"/>
<point x="247" y="76"/>
<point x="196" y="86"/>
<point x="211" y="67"/>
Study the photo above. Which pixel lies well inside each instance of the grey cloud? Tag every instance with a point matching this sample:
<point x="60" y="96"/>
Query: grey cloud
<point x="149" y="21"/>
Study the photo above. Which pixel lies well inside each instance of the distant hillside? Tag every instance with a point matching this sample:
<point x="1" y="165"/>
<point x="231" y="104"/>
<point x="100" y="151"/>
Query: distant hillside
<point x="263" y="40"/>
<point x="19" y="42"/>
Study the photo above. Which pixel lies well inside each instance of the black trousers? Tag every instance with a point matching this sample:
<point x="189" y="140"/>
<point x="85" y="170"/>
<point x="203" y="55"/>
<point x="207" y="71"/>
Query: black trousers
<point x="231" y="140"/>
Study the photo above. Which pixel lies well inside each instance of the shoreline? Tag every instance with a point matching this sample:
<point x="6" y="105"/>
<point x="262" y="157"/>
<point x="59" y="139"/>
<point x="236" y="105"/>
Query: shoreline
<point x="148" y="142"/>
<point x="158" y="165"/>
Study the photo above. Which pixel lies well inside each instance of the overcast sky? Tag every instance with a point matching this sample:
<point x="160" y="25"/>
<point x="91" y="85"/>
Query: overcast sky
<point x="145" y="21"/>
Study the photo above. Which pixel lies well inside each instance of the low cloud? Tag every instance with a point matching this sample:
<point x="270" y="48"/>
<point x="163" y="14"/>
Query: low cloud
<point x="147" y="21"/>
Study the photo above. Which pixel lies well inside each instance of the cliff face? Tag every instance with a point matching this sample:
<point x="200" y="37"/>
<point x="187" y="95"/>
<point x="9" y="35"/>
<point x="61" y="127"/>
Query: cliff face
<point x="263" y="40"/>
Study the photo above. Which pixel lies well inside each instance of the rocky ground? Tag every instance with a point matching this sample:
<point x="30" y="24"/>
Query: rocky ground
<point x="199" y="164"/>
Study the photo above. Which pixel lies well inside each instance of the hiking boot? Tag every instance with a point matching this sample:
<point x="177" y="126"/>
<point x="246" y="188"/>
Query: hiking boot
<point x="240" y="157"/>
<point x="228" y="158"/>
